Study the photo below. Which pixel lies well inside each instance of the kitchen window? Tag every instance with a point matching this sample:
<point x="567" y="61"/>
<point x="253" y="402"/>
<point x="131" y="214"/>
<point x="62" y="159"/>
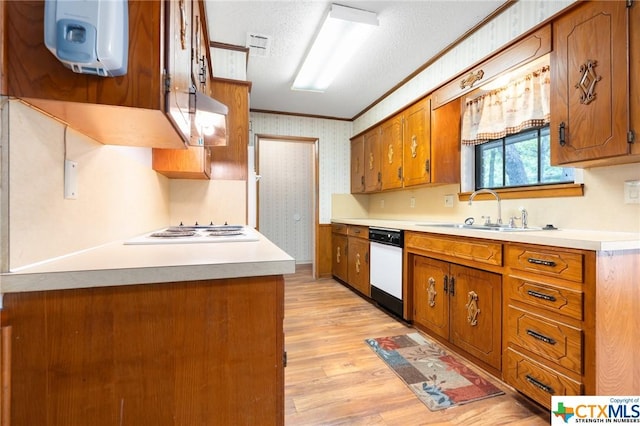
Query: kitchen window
<point x="505" y="137"/>
<point x="520" y="159"/>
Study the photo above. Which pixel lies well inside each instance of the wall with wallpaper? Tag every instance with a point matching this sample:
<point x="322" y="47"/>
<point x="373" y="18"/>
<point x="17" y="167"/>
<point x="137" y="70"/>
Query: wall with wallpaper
<point x="500" y="31"/>
<point x="333" y="150"/>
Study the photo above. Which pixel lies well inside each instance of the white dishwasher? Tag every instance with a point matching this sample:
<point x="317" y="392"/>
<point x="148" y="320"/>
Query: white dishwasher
<point x="385" y="259"/>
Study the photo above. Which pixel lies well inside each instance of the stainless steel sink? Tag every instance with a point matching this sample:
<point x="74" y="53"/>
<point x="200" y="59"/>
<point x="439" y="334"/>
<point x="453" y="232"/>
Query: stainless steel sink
<point x="495" y="228"/>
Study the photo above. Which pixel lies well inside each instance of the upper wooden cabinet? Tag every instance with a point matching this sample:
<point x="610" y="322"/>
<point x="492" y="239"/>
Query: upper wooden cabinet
<point x="634" y="61"/>
<point x="133" y="109"/>
<point x="523" y="51"/>
<point x="417" y="143"/>
<point x="191" y="163"/>
<point x="357" y="165"/>
<point x="372" y="166"/>
<point x="414" y="147"/>
<point x="445" y="143"/>
<point x="231" y="161"/>
<point x="590" y="85"/>
<point x="391" y="152"/>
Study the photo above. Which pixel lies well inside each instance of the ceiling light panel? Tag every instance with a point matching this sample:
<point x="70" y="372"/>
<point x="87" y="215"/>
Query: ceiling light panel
<point x="343" y="32"/>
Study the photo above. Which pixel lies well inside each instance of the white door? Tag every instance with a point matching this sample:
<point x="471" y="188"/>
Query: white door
<point x="286" y="195"/>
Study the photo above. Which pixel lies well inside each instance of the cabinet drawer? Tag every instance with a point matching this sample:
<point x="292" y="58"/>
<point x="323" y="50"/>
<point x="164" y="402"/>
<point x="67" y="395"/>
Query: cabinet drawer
<point x="555" y="341"/>
<point x="359" y="231"/>
<point x="536" y="380"/>
<point x="339" y="228"/>
<point x="546" y="261"/>
<point x="470" y="249"/>
<point x="553" y="298"/>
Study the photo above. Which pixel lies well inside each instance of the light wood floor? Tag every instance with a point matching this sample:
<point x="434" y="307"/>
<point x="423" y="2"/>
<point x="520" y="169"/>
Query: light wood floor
<point x="334" y="378"/>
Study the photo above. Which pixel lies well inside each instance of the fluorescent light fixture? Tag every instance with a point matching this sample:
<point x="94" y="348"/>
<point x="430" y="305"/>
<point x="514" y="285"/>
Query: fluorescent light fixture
<point x="342" y="33"/>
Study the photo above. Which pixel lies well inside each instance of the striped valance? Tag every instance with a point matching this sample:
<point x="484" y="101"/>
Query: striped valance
<point x="521" y="104"/>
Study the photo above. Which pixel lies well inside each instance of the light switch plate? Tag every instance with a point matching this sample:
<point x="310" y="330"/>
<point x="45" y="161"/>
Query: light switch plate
<point x="632" y="192"/>
<point x="70" y="180"/>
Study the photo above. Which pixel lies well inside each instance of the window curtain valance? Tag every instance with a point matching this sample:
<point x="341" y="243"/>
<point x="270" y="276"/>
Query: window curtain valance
<point x="521" y="104"/>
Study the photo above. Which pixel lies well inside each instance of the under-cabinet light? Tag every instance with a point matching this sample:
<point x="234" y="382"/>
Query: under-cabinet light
<point x="342" y="33"/>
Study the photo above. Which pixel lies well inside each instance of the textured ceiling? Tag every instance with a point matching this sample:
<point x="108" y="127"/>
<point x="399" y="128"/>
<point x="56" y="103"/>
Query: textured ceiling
<point x="409" y="35"/>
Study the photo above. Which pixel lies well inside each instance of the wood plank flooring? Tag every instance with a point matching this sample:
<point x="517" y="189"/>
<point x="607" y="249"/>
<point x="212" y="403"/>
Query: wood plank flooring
<point x="334" y="378"/>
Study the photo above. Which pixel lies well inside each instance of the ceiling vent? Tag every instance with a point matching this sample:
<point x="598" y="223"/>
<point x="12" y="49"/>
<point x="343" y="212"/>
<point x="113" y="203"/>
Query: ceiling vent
<point x="259" y="44"/>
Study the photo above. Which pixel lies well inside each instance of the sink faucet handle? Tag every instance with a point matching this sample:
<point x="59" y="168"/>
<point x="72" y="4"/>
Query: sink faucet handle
<point x="512" y="221"/>
<point x="487" y="219"/>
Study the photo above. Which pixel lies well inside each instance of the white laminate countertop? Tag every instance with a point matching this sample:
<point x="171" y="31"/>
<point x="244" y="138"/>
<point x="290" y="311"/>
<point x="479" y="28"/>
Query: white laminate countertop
<point x="568" y="238"/>
<point x="116" y="264"/>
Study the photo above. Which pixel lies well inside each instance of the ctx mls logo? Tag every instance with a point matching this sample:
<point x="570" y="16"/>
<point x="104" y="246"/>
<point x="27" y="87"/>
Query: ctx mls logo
<point x="565" y="413"/>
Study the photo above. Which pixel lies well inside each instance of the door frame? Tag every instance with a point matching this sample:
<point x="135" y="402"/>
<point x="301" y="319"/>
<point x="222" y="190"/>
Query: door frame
<point x="316" y="191"/>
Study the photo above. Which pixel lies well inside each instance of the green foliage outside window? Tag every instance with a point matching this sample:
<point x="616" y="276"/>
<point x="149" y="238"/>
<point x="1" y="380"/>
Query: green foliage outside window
<point x="516" y="160"/>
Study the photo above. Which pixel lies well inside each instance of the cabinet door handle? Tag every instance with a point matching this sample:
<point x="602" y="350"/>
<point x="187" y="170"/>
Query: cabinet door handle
<point x="431" y="292"/>
<point x="427" y="166"/>
<point x="541" y="262"/>
<point x="399" y="173"/>
<point x="446" y="284"/>
<point x="540" y="385"/>
<point x="541" y="337"/>
<point x="379" y="177"/>
<point x="562" y="134"/>
<point x="542" y="296"/>
<point x="452" y="286"/>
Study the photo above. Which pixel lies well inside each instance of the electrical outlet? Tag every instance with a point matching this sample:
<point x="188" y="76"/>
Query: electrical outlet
<point x="412" y="202"/>
<point x="70" y="180"/>
<point x="632" y="192"/>
<point x="448" y="200"/>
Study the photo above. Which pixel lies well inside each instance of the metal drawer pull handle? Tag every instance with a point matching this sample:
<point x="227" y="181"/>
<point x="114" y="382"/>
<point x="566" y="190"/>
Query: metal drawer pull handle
<point x="542" y="337"/>
<point x="541" y="262"/>
<point x="541" y="296"/>
<point x="540" y="385"/>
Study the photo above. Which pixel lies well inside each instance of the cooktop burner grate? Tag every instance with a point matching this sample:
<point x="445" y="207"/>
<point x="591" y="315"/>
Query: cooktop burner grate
<point x="173" y="234"/>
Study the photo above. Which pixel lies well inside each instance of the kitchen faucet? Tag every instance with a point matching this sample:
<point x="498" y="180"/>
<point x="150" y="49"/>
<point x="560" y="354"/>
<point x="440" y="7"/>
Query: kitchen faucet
<point x="495" y="194"/>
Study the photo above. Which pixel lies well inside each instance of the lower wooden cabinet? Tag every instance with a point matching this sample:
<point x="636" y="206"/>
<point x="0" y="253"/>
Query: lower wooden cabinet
<point x="461" y="305"/>
<point x="339" y="248"/>
<point x="358" y="276"/>
<point x="548" y="311"/>
<point x="189" y="353"/>
<point x="350" y="256"/>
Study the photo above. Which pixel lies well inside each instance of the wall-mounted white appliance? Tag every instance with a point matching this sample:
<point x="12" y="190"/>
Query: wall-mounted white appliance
<point x="89" y="36"/>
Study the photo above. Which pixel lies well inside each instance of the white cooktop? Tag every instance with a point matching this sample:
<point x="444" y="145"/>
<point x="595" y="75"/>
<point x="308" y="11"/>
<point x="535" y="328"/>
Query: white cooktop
<point x="198" y="235"/>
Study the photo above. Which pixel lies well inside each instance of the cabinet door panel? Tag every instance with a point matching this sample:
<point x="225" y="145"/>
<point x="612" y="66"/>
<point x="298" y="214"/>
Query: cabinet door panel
<point x="357" y="165"/>
<point x="430" y="295"/>
<point x="179" y="65"/>
<point x="372" y="173"/>
<point x="445" y="143"/>
<point x="589" y="84"/>
<point x="476" y="313"/>
<point x="391" y="153"/>
<point x="417" y="144"/>
<point x="339" y="256"/>
<point x="359" y="265"/>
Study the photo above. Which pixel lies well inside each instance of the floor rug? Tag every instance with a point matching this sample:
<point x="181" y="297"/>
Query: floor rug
<point x="438" y="379"/>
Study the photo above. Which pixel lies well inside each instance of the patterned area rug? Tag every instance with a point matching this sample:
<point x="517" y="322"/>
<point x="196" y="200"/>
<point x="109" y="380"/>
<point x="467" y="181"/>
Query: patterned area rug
<point x="437" y="378"/>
